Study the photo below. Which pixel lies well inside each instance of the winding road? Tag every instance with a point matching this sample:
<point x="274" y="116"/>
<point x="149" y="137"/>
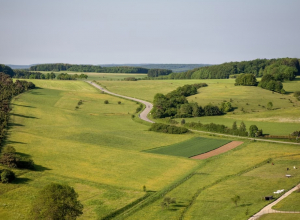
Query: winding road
<point x="143" y="114"/>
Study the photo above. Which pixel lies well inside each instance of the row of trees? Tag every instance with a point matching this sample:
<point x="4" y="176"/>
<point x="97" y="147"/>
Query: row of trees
<point x="158" y="72"/>
<point x="259" y="67"/>
<point x="234" y="130"/>
<point x="175" y="104"/>
<point x="66" y="76"/>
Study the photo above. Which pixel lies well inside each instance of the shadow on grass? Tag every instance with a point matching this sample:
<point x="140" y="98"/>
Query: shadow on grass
<point x="244" y="205"/>
<point x="14" y="124"/>
<point x="23" y="155"/>
<point x="27" y="106"/>
<point x="24" y="116"/>
<point x="14" y="142"/>
<point x="179" y="206"/>
<point x="40" y="168"/>
<point x="21" y="180"/>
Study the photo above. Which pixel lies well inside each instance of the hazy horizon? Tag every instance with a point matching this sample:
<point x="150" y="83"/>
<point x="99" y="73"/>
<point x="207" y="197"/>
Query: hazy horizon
<point x="144" y="32"/>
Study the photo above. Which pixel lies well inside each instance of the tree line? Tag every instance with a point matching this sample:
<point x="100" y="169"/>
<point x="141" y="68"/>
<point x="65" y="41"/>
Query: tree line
<point x="9" y="89"/>
<point x="175" y="104"/>
<point x="287" y="67"/>
<point x="98" y="69"/>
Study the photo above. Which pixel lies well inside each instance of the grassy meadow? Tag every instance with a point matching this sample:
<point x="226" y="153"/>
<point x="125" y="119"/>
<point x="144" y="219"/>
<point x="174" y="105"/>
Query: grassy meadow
<point x="95" y="149"/>
<point x="99" y="150"/>
<point x="250" y="103"/>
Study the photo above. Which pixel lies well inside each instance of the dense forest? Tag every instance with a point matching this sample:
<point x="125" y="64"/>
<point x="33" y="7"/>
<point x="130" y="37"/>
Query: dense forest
<point x="88" y="68"/>
<point x="258" y="67"/>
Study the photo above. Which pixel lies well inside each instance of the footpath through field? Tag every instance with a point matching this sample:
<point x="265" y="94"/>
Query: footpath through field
<point x="268" y="209"/>
<point x="143" y="114"/>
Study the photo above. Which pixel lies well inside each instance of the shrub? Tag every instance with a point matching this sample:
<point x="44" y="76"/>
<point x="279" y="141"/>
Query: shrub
<point x="182" y="122"/>
<point x="119" y="102"/>
<point x="169" y="129"/>
<point x="106" y="102"/>
<point x="7" y="176"/>
<point x="25" y="163"/>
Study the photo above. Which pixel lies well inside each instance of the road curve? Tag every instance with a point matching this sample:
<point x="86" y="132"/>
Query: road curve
<point x="143" y="114"/>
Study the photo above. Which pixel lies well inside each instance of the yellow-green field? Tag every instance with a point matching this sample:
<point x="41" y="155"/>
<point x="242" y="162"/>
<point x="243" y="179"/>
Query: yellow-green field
<point x="98" y="150"/>
<point x="95" y="149"/>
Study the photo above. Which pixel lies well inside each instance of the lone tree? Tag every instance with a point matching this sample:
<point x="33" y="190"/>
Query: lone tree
<point x="269" y="105"/>
<point x="235" y="199"/>
<point x="56" y="201"/>
<point x="106" y="102"/>
<point x="252" y="131"/>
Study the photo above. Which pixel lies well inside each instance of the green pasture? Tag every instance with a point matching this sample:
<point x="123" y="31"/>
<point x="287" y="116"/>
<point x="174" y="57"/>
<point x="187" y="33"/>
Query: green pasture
<point x="250" y="103"/>
<point x="101" y="76"/>
<point x="95" y="149"/>
<point x="280" y="216"/>
<point x="290" y="203"/>
<point x="243" y="171"/>
<point x="189" y="148"/>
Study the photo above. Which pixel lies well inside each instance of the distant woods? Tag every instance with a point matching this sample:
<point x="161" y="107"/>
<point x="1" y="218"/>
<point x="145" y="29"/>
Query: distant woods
<point x="285" y="68"/>
<point x="99" y="69"/>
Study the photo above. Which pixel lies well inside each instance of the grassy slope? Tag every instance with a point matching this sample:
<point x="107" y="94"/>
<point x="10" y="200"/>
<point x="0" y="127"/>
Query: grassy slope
<point x="291" y="203"/>
<point x="282" y="120"/>
<point x="222" y="177"/>
<point x="189" y="148"/>
<point x="280" y="216"/>
<point x="94" y="149"/>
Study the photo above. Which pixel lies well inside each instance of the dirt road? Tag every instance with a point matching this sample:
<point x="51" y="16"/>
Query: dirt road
<point x="143" y="114"/>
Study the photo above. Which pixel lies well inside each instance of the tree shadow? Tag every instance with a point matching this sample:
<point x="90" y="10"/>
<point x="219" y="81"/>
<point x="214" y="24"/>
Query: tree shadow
<point x="40" y="168"/>
<point x="179" y="206"/>
<point x="14" y="142"/>
<point x="21" y="180"/>
<point x="24" y="116"/>
<point x="27" y="106"/>
<point x="36" y="93"/>
<point x="23" y="155"/>
<point x="11" y="124"/>
<point x="244" y="205"/>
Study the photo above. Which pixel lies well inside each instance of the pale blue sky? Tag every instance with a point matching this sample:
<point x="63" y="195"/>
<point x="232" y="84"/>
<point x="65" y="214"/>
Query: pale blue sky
<point x="141" y="31"/>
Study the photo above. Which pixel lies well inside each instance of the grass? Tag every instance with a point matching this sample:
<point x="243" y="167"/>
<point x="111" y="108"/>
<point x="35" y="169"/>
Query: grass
<point x="242" y="171"/>
<point x="95" y="149"/>
<point x="291" y="203"/>
<point x="280" y="216"/>
<point x="189" y="148"/>
<point x="249" y="107"/>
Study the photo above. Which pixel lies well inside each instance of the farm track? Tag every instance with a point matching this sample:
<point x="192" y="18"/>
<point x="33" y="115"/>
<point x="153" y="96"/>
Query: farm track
<point x="143" y="114"/>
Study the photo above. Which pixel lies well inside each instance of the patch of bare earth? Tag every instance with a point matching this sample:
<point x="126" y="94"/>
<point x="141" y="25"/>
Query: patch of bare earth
<point x="220" y="150"/>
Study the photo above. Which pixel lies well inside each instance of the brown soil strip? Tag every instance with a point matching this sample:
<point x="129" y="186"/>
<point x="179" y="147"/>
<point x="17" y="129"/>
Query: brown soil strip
<point x="220" y="150"/>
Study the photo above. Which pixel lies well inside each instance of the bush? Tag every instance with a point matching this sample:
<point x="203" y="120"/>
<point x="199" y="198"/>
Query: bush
<point x="106" y="102"/>
<point x="25" y="163"/>
<point x="245" y="80"/>
<point x="7" y="176"/>
<point x="119" y="102"/>
<point x="297" y="95"/>
<point x="169" y="129"/>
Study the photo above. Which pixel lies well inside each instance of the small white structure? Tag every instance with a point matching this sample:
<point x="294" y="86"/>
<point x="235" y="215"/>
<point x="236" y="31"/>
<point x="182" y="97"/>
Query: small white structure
<point x="279" y="191"/>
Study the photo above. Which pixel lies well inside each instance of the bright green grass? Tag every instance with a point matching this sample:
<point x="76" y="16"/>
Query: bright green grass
<point x="291" y="203"/>
<point x="189" y="148"/>
<point x="220" y="178"/>
<point x="282" y="120"/>
<point x="102" y="76"/>
<point x="280" y="216"/>
<point x="95" y="149"/>
<point x="292" y="86"/>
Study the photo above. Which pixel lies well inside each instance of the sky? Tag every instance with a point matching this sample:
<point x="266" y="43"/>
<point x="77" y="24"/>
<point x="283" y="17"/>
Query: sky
<point x="144" y="31"/>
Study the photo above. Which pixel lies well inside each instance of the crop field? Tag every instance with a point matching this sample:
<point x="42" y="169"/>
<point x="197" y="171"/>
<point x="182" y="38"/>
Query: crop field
<point x="95" y="148"/>
<point x="189" y="148"/>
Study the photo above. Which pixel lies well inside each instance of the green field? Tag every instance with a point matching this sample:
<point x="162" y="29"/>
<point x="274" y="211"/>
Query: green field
<point x="290" y="203"/>
<point x="280" y="216"/>
<point x="249" y="102"/>
<point x="100" y="151"/>
<point x="95" y="149"/>
<point x="189" y="148"/>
